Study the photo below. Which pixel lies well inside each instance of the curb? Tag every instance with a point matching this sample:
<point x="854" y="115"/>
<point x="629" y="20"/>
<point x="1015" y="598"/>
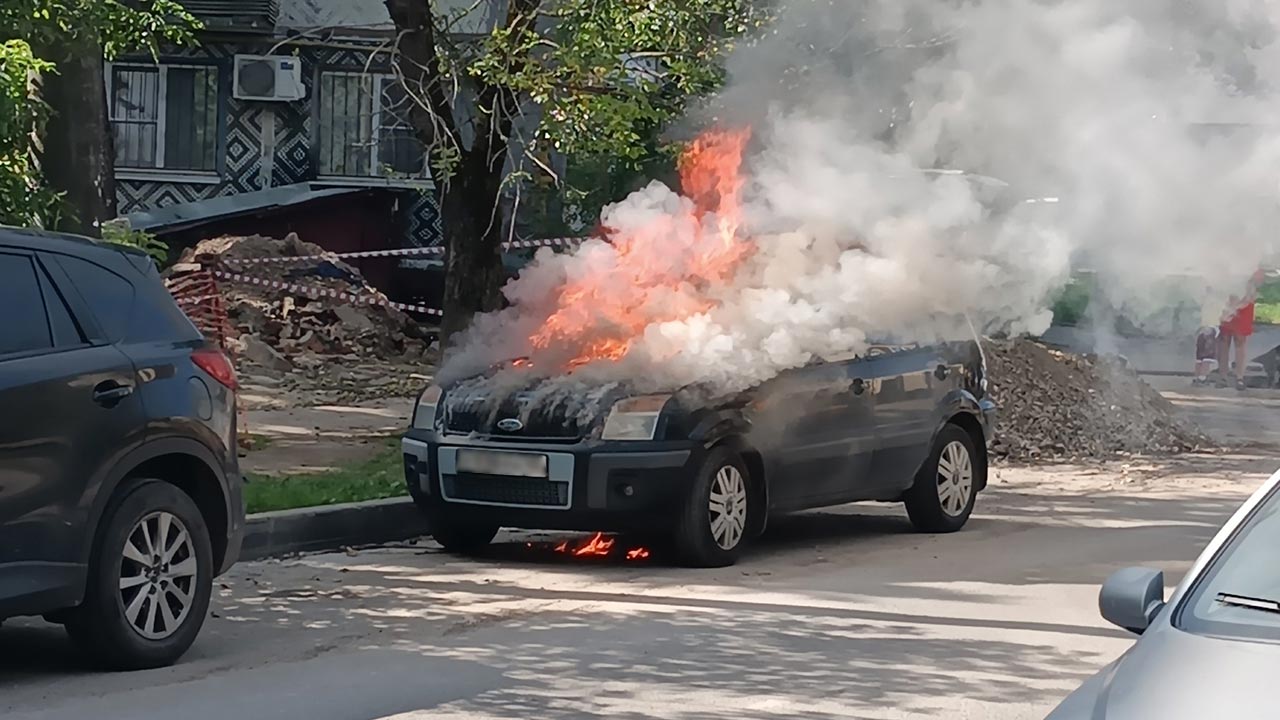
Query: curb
<point x="330" y="527"/>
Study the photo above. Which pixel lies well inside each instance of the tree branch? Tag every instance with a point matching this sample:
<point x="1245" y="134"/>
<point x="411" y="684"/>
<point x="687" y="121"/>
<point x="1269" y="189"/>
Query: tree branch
<point x="418" y="63"/>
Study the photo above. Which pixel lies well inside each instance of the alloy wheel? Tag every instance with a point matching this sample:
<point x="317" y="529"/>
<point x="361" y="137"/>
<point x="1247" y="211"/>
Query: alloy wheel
<point x="158" y="572"/>
<point x="727" y="509"/>
<point x="955" y="478"/>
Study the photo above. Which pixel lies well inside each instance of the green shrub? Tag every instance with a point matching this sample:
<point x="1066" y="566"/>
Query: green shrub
<point x="119" y="233"/>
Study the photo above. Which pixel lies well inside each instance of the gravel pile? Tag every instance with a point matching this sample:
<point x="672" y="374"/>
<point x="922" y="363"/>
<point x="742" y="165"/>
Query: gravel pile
<point x="1056" y="405"/>
<point x="281" y="330"/>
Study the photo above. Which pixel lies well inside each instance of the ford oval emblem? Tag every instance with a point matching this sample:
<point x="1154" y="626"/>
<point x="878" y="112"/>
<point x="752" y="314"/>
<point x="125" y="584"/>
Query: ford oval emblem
<point x="510" y="425"/>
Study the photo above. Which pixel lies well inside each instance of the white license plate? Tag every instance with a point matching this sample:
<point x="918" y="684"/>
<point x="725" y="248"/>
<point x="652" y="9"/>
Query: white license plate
<point x="496" y="462"/>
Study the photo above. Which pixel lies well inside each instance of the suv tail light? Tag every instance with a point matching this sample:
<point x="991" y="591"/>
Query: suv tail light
<point x="218" y="365"/>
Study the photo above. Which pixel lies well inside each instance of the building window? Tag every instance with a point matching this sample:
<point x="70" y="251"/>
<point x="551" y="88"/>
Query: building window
<point x="365" y="129"/>
<point x="164" y="117"/>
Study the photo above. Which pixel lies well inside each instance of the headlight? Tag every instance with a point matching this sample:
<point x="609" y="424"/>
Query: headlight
<point x="634" y="418"/>
<point x="424" y="413"/>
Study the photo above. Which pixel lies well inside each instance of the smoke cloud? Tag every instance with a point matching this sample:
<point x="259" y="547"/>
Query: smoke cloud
<point x="919" y="164"/>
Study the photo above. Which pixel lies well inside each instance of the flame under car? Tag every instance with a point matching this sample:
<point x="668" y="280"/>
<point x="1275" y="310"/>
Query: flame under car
<point x="905" y="424"/>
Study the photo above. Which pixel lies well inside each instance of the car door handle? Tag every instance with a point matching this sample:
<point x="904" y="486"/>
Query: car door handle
<point x="111" y="392"/>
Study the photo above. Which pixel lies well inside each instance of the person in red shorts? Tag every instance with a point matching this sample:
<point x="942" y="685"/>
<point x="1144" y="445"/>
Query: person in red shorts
<point x="1236" y="328"/>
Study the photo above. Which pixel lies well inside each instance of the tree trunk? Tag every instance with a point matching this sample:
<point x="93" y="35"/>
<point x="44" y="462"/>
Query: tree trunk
<point x="469" y="197"/>
<point x="473" y="235"/>
<point x="77" y="157"/>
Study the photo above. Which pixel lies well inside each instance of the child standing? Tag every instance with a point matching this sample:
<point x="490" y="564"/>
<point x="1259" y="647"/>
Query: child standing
<point x="1206" y="354"/>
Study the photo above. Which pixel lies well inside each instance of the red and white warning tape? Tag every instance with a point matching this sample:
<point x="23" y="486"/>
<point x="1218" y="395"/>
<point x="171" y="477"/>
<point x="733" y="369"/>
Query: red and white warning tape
<point x="432" y="250"/>
<point x="324" y="292"/>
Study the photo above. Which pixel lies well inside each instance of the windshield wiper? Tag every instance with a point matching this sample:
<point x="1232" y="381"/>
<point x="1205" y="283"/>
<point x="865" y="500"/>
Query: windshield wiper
<point x="1253" y="603"/>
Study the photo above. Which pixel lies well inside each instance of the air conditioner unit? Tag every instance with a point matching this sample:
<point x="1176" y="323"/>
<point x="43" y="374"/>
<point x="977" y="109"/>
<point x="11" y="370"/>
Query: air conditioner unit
<point x="275" y="78"/>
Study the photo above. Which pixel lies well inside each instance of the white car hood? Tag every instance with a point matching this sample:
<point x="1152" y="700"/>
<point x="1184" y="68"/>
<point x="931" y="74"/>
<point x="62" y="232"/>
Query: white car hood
<point x="1174" y="675"/>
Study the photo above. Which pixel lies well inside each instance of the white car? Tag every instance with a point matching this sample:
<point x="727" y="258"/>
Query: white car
<point x="1213" y="649"/>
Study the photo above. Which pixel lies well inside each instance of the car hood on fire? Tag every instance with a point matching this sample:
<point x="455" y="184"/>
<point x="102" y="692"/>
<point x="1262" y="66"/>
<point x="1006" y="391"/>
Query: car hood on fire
<point x="1175" y="675"/>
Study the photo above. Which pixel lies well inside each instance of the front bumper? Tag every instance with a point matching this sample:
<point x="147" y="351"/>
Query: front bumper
<point x="603" y="486"/>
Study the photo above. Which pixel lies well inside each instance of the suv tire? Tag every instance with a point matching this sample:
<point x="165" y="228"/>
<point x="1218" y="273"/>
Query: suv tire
<point x="942" y="497"/>
<point x="144" y="612"/>
<point x="713" y="523"/>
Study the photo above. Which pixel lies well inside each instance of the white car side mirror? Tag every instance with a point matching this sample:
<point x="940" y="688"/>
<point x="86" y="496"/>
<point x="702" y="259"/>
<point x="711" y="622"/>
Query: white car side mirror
<point x="1132" y="597"/>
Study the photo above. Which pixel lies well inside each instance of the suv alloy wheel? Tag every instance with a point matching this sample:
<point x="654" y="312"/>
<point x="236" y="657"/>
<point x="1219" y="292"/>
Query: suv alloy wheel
<point x="150" y="580"/>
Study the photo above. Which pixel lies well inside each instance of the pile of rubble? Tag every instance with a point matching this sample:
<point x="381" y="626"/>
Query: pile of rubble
<point x="1057" y="405"/>
<point x="345" y="384"/>
<point x="282" y="330"/>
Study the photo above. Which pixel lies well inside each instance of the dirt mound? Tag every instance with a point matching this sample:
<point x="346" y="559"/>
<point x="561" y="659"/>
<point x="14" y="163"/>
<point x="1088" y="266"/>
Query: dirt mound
<point x="1057" y="405"/>
<point x="280" y="329"/>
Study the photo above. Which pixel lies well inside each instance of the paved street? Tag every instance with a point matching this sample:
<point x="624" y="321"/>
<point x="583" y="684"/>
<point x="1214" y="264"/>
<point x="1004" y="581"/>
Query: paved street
<point x="836" y="614"/>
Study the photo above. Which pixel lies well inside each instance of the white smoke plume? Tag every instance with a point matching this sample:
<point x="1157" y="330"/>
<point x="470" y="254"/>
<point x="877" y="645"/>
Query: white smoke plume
<point x="1149" y="124"/>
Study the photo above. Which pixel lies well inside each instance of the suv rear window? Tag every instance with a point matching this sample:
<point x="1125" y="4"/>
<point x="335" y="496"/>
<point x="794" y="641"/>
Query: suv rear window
<point x="141" y="310"/>
<point x="110" y="297"/>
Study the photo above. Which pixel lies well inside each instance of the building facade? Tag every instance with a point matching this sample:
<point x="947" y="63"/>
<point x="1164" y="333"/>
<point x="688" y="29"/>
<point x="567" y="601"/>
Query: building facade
<point x="187" y="126"/>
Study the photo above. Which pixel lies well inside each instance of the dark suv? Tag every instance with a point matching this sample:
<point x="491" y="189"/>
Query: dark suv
<point x="120" y="491"/>
<point x="902" y="423"/>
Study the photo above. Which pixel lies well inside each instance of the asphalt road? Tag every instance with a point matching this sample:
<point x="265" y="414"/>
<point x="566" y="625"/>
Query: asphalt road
<point x="836" y="614"/>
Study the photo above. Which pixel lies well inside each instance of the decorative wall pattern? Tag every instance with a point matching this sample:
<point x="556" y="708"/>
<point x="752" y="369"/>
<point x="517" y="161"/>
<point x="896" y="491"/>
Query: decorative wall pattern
<point x="242" y="128"/>
<point x="422" y="219"/>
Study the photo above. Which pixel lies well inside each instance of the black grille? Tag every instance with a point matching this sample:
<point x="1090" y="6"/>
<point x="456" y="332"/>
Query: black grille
<point x="538" y="423"/>
<point x="509" y="490"/>
<point x="461" y="420"/>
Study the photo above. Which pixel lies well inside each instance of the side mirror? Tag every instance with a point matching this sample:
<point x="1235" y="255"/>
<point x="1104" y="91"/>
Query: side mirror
<point x="1131" y="598"/>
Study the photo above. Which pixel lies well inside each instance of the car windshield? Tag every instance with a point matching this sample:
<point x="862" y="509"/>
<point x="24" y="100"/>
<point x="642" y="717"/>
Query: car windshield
<point x="1234" y="596"/>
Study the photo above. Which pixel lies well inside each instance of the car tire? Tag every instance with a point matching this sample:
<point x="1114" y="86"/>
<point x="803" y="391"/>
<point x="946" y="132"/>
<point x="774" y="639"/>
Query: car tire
<point x="713" y="523"/>
<point x="945" y="489"/>
<point x="150" y="579"/>
<point x="459" y="537"/>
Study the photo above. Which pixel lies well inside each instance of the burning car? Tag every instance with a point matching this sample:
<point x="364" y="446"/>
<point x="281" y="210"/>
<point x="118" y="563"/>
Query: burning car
<point x="898" y="423"/>
<point x="653" y="383"/>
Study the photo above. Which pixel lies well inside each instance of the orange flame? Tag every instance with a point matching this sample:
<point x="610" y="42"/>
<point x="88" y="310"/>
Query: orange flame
<point x="596" y="322"/>
<point x="598" y="545"/>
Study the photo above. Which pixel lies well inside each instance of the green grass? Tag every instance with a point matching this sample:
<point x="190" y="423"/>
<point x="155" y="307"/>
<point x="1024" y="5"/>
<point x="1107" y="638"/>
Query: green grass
<point x="381" y="476"/>
<point x="1268" y="307"/>
<point x="1268" y="313"/>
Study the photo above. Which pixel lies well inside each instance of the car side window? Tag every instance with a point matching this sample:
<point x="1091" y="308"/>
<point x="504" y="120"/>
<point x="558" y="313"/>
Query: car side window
<point x="66" y="333"/>
<point x="27" y="327"/>
<point x="109" y="296"/>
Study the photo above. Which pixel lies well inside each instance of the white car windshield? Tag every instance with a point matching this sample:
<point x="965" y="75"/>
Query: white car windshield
<point x="1239" y="594"/>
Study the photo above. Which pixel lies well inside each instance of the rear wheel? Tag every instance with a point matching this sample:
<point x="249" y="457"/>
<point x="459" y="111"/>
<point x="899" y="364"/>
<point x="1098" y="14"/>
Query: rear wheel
<point x="149" y="580"/>
<point x="945" y="490"/>
<point x="712" y="527"/>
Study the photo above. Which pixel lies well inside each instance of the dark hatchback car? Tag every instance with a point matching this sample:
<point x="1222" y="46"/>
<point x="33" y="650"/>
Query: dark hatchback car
<point x="120" y="492"/>
<point x="903" y="424"/>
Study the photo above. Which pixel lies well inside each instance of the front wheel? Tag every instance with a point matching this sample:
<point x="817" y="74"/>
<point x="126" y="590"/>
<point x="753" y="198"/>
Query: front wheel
<point x="943" y="495"/>
<point x="713" y="525"/>
<point x="458" y="536"/>
<point x="149" y="580"/>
